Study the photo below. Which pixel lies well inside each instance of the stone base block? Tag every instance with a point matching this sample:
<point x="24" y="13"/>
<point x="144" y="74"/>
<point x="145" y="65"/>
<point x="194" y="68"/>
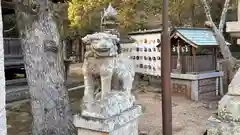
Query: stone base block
<point x="229" y="108"/>
<point x="125" y="123"/>
<point x="130" y="128"/>
<point x="218" y="127"/>
<point x="112" y="104"/>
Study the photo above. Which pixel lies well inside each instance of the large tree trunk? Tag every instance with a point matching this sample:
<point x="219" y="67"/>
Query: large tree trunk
<point x="227" y="55"/>
<point x="3" y="124"/>
<point x="44" y="66"/>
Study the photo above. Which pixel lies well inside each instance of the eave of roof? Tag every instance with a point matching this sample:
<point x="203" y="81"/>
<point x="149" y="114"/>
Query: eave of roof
<point x="146" y="32"/>
<point x="182" y="35"/>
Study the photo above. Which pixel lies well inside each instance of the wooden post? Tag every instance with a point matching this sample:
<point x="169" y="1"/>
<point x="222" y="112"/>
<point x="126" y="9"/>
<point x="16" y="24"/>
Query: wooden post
<point x="77" y="50"/>
<point x="215" y="58"/>
<point x="194" y="59"/>
<point x="80" y="50"/>
<point x="166" y="74"/>
<point x="69" y="45"/>
<point x="191" y="52"/>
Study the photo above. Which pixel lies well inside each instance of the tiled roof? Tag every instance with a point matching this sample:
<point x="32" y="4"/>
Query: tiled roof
<point x="198" y="36"/>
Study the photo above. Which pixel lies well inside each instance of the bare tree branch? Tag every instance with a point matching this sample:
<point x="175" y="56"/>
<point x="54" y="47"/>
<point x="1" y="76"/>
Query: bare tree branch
<point x="223" y="16"/>
<point x="227" y="55"/>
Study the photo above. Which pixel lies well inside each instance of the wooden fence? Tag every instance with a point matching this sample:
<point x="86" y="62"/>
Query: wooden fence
<point x="200" y="63"/>
<point x="76" y="50"/>
<point x="12" y="48"/>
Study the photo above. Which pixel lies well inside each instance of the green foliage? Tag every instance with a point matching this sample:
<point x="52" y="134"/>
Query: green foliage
<point x="61" y="17"/>
<point x="84" y="15"/>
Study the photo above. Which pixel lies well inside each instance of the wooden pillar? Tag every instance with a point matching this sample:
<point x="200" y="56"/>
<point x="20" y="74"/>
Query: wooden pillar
<point x="77" y="50"/>
<point x="214" y="54"/>
<point x="194" y="59"/>
<point x="191" y="52"/>
<point x="182" y="62"/>
<point x="80" y="50"/>
<point x="83" y="51"/>
<point x="171" y="63"/>
<point x="69" y="47"/>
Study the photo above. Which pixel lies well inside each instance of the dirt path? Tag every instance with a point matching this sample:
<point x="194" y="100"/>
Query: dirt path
<point x="189" y="117"/>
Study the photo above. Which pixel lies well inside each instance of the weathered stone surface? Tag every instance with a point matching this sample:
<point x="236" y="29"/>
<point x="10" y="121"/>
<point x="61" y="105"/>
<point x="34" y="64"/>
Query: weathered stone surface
<point x="229" y="108"/>
<point x="218" y="127"/>
<point x="108" y="125"/>
<point x="102" y="60"/>
<point x="130" y="128"/>
<point x="227" y="122"/>
<point x="114" y="113"/>
<point x="234" y="86"/>
<point x="113" y="103"/>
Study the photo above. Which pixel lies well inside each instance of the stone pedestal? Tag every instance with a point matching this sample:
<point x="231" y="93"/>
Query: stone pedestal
<point x="227" y="120"/>
<point x="116" y="114"/>
<point x="218" y="127"/>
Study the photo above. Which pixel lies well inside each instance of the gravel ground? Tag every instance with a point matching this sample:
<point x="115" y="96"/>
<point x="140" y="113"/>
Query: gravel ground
<point x="189" y="117"/>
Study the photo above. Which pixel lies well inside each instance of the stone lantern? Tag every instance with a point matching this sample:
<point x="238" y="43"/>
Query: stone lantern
<point x="109" y="24"/>
<point x="109" y="20"/>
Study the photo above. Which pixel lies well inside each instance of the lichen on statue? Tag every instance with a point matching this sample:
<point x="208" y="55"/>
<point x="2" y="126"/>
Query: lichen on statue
<point x="107" y="64"/>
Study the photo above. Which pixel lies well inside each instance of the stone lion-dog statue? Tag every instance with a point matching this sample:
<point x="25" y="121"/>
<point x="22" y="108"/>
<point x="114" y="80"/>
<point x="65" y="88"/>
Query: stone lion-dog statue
<point x="102" y="59"/>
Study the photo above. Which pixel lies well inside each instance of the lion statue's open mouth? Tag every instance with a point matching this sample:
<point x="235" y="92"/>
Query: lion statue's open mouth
<point x="102" y="44"/>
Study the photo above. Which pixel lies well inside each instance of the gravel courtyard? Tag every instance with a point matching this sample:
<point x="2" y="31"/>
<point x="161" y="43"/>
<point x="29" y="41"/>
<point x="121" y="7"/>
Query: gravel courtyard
<point x="189" y="118"/>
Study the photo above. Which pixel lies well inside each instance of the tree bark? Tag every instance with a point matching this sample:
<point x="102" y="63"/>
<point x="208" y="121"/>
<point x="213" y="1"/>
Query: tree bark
<point x="227" y="55"/>
<point x="223" y="16"/>
<point x="44" y="64"/>
<point x="3" y="120"/>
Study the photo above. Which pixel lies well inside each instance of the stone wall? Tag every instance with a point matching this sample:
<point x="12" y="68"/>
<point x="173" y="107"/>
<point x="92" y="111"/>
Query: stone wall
<point x="182" y="87"/>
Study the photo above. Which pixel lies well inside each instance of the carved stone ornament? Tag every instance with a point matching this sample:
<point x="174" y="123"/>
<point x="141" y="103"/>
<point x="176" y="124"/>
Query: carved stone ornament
<point x="110" y="11"/>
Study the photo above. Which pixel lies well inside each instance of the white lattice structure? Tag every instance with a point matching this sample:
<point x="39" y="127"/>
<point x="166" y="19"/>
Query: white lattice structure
<point x="144" y="53"/>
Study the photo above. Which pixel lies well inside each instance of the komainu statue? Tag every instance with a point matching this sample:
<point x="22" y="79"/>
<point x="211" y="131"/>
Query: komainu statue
<point x="102" y="59"/>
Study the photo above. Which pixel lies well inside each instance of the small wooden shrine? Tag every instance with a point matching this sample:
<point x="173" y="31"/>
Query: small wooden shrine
<point x="194" y="50"/>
